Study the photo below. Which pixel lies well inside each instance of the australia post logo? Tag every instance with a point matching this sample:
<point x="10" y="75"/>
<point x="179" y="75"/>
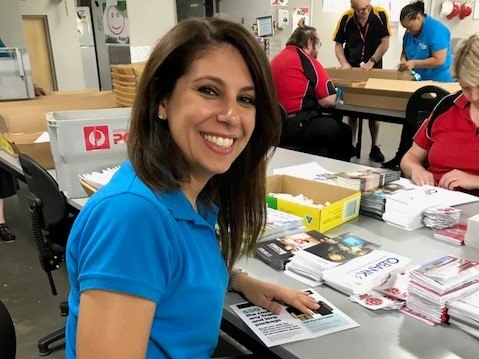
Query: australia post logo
<point x="98" y="137"/>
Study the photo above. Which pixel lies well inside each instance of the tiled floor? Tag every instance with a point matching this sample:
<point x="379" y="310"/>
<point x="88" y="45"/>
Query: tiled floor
<point x="24" y="287"/>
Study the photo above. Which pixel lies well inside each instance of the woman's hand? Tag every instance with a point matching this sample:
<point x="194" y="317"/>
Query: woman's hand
<point x="421" y="177"/>
<point x="406" y="65"/>
<point x="456" y="178"/>
<point x="267" y="295"/>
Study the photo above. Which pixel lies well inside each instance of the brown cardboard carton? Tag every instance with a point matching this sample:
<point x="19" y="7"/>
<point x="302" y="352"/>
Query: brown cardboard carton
<point x="345" y="77"/>
<point x="388" y="94"/>
<point x="25" y="143"/>
<point x="29" y="116"/>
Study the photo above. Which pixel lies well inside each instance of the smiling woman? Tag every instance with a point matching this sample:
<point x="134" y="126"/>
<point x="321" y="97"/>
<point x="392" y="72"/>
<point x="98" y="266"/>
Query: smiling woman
<point x="146" y="246"/>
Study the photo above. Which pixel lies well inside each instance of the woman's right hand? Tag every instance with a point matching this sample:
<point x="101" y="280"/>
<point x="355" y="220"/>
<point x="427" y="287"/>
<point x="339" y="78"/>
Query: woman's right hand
<point x="420" y="176"/>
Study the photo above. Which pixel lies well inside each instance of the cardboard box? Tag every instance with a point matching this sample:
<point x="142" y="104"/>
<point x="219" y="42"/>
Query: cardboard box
<point x="29" y="115"/>
<point x="388" y="94"/>
<point x="345" y="78"/>
<point x="25" y="143"/>
<point x="344" y="202"/>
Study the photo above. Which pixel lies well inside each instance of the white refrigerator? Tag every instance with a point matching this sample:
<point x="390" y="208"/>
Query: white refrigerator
<point x="87" y="47"/>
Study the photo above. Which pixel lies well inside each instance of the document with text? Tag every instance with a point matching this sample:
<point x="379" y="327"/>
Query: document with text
<point x="291" y="325"/>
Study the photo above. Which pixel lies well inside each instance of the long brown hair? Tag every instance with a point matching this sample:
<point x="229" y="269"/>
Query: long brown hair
<point x="159" y="163"/>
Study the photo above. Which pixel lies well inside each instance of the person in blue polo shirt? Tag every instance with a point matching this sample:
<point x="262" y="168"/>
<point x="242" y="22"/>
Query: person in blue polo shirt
<point x="148" y="256"/>
<point x="427" y="51"/>
<point x="426" y="44"/>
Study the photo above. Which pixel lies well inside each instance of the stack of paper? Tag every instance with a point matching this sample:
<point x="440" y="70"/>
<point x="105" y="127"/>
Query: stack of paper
<point x="364" y="273"/>
<point x="309" y="264"/>
<point x="373" y="203"/>
<point x="277" y="252"/>
<point x="404" y="209"/>
<point x="367" y="180"/>
<point x="99" y="179"/>
<point x="454" y="234"/>
<point x="439" y="281"/>
<point x="280" y="224"/>
<point x="472" y="235"/>
<point x="464" y="313"/>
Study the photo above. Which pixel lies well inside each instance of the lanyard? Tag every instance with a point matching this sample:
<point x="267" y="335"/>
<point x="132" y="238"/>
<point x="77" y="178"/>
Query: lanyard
<point x="363" y="37"/>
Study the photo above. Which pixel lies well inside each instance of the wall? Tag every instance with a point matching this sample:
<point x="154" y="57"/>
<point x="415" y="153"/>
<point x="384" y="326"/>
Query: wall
<point x="61" y="16"/>
<point x="11" y="28"/>
<point x="149" y="20"/>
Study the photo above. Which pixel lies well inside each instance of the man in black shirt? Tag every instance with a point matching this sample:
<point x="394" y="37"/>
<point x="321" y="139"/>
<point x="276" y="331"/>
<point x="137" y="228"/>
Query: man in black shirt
<point x="362" y="37"/>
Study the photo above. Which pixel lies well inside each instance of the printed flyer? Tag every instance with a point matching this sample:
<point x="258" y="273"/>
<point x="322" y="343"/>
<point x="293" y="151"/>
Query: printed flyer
<point x="291" y="325"/>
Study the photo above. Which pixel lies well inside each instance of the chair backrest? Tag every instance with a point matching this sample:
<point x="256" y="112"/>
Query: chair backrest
<point x="48" y="212"/>
<point x="422" y="102"/>
<point x="8" y="339"/>
<point x="44" y="186"/>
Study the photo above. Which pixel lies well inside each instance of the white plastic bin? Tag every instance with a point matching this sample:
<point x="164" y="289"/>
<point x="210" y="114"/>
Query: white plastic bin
<point x="86" y="141"/>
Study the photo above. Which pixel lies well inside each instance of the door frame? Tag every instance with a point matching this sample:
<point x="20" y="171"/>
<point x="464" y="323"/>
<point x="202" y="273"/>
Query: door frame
<point x="46" y="29"/>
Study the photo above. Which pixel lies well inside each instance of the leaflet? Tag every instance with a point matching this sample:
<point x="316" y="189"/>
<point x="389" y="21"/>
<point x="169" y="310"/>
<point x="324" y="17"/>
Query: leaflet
<point x="291" y="325"/>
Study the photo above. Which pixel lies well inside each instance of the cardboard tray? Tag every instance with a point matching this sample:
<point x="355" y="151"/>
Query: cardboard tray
<point x="344" y="202"/>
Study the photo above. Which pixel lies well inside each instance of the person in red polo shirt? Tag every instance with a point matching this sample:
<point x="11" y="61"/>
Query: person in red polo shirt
<point x="305" y="92"/>
<point x="448" y="141"/>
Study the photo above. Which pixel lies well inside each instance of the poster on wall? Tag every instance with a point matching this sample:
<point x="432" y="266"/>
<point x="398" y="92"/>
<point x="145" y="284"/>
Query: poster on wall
<point x="300" y="17"/>
<point x="279" y="2"/>
<point x="115" y="23"/>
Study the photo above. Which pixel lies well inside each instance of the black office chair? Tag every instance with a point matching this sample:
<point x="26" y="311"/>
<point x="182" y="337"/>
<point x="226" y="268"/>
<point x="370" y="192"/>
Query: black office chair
<point x="50" y="224"/>
<point x="8" y="339"/>
<point x="418" y="108"/>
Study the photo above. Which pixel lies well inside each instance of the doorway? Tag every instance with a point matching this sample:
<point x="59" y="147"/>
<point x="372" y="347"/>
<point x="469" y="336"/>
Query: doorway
<point x="37" y="38"/>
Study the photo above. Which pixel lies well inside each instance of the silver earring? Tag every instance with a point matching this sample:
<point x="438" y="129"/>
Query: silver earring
<point x="160" y="116"/>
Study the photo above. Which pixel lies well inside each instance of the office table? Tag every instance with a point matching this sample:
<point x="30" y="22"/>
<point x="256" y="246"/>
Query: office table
<point x="12" y="165"/>
<point x="369" y="113"/>
<point x="388" y="334"/>
<point x="382" y="334"/>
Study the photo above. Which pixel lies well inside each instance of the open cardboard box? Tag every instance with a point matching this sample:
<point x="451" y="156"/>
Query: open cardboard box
<point x="25" y="143"/>
<point x="344" y="202"/>
<point x="29" y="115"/>
<point x="388" y="94"/>
<point x="345" y="78"/>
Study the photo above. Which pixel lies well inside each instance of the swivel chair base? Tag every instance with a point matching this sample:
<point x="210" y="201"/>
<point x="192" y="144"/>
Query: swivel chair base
<point x="43" y="344"/>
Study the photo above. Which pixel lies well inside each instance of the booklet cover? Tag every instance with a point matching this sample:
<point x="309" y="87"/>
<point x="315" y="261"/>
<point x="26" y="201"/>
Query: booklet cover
<point x="292" y="325"/>
<point x="342" y="248"/>
<point x="277" y="252"/>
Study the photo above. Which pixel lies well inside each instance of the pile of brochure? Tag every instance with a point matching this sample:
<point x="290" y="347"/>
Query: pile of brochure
<point x="308" y="264"/>
<point x="404" y="209"/>
<point x="277" y="252"/>
<point x="472" y="235"/>
<point x="279" y="224"/>
<point x="362" y="274"/>
<point x="464" y="313"/>
<point x="373" y="203"/>
<point x="434" y="283"/>
<point x="441" y="217"/>
<point x="367" y="180"/>
<point x="454" y="234"/>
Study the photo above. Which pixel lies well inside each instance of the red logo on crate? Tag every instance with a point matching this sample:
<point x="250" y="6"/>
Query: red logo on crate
<point x="96" y="138"/>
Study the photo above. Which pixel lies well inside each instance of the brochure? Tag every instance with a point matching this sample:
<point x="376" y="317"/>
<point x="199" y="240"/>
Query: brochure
<point x="292" y="325"/>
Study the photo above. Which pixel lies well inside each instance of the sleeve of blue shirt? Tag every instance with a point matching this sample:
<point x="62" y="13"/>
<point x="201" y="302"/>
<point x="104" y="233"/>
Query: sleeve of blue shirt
<point x="124" y="246"/>
<point x="440" y="40"/>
